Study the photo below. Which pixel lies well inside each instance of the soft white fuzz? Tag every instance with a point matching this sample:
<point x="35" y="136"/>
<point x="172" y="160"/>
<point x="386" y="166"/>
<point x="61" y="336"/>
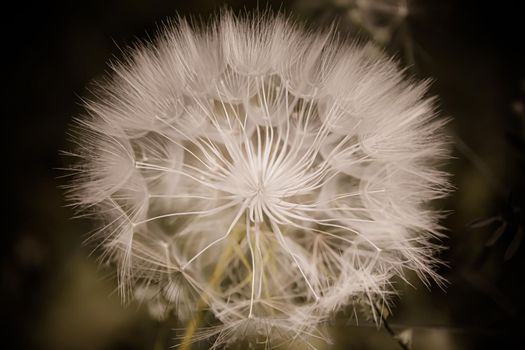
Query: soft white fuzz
<point x="264" y="173"/>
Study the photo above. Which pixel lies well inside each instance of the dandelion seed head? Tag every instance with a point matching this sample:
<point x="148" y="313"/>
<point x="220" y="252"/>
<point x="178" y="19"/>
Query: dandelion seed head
<point x="266" y="173"/>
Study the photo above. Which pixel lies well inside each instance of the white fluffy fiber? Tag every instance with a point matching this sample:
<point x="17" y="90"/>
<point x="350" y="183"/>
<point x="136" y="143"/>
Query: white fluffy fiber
<point x="265" y="173"/>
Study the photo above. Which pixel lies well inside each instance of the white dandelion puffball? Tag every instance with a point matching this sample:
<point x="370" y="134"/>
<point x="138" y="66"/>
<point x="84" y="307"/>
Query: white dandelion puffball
<point x="260" y="172"/>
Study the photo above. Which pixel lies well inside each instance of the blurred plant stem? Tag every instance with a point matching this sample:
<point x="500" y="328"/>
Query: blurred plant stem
<point x="161" y="336"/>
<point x="389" y="329"/>
<point x="193" y="324"/>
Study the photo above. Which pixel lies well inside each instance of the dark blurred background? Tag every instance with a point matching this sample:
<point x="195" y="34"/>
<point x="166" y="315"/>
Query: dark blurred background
<point x="54" y="296"/>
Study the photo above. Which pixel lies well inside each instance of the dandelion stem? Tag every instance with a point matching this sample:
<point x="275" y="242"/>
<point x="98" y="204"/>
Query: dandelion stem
<point x="216" y="276"/>
<point x="389" y="329"/>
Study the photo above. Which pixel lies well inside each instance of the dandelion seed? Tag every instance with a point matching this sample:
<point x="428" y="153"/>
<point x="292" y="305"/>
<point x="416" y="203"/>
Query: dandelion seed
<point x="264" y="173"/>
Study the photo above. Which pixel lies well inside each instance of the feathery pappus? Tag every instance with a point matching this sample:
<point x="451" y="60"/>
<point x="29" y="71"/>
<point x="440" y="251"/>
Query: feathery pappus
<point x="268" y="174"/>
